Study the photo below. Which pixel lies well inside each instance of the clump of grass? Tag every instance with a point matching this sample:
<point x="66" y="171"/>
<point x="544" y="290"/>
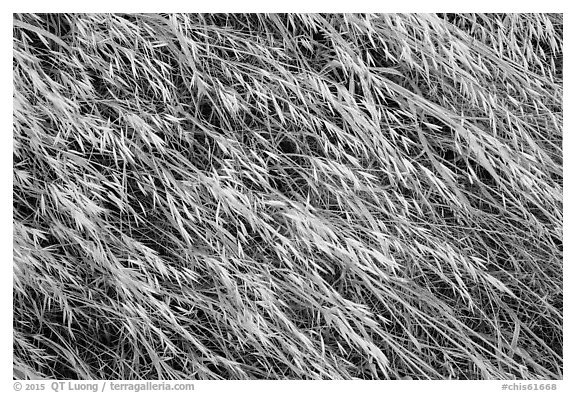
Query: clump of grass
<point x="288" y="196"/>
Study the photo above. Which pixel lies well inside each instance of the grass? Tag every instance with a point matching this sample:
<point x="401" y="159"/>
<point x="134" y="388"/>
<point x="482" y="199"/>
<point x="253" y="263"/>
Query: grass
<point x="287" y="196"/>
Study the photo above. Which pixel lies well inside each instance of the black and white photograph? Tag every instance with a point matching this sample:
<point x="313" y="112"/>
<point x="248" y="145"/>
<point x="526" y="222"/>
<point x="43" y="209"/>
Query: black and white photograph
<point x="287" y="196"/>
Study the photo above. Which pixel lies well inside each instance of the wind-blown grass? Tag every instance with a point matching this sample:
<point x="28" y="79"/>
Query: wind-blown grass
<point x="288" y="196"/>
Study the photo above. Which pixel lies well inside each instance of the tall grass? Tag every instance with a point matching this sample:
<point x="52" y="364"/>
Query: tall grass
<point x="288" y="196"/>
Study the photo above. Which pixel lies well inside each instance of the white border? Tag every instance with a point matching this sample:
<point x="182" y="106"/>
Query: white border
<point x="391" y="6"/>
